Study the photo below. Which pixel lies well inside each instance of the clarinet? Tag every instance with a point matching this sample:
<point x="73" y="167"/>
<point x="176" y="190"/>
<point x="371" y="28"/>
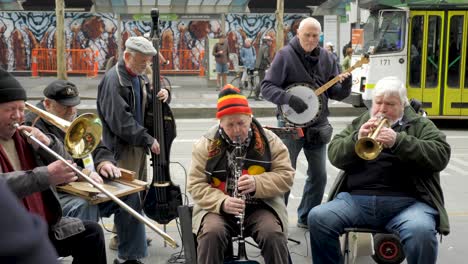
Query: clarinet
<point x="241" y="254"/>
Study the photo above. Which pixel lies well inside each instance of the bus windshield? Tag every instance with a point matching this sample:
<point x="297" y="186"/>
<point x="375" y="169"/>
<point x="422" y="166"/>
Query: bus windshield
<point x="383" y="32"/>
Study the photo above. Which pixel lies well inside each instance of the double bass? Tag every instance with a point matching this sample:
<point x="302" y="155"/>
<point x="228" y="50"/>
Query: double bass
<point x="163" y="197"/>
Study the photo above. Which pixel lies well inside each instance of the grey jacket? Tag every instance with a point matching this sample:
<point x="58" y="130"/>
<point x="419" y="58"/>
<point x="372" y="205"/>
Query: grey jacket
<point x="116" y="108"/>
<point x="263" y="58"/>
<point x="24" y="183"/>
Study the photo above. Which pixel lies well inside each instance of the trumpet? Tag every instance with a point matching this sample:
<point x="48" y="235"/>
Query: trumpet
<point x="85" y="133"/>
<point x="367" y="147"/>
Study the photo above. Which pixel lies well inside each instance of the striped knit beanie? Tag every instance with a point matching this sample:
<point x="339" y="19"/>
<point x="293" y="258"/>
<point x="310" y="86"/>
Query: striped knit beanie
<point x="231" y="101"/>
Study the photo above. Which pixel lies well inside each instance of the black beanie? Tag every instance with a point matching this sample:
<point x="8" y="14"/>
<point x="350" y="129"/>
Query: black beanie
<point x="10" y="88"/>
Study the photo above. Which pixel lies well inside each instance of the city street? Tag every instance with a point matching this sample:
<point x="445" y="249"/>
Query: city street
<point x="454" y="181"/>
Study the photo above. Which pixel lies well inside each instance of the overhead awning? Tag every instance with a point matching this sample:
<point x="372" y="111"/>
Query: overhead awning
<point x="171" y="6"/>
<point x="331" y="7"/>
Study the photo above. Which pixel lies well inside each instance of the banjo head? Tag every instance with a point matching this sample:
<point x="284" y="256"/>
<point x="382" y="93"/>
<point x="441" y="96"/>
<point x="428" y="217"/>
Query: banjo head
<point x="307" y="94"/>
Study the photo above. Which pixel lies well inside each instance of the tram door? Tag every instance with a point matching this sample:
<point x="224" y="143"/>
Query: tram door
<point x="424" y="74"/>
<point x="455" y="100"/>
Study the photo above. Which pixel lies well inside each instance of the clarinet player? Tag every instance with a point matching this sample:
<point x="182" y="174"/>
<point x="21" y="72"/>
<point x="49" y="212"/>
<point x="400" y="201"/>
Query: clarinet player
<point x="265" y="176"/>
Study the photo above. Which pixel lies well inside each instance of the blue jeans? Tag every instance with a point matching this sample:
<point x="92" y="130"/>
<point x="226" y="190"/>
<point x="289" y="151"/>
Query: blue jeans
<point x="314" y="186"/>
<point x="131" y="232"/>
<point x="413" y="221"/>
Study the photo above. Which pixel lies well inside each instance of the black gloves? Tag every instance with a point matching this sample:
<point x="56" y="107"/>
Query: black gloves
<point x="297" y="104"/>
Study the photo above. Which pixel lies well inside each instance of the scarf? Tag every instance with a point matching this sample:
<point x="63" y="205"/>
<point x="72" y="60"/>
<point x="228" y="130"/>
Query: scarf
<point x="257" y="158"/>
<point x="34" y="203"/>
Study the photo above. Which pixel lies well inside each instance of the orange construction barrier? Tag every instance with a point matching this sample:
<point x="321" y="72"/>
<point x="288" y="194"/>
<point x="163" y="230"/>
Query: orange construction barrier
<point x="181" y="62"/>
<point x="34" y="64"/>
<point x="202" y="69"/>
<point x="79" y="61"/>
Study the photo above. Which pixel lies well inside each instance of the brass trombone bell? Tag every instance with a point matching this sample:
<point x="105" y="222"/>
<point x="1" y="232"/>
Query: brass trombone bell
<point x="82" y="135"/>
<point x="367" y="147"/>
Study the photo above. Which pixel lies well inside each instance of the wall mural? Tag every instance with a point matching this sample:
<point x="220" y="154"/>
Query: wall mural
<point x="182" y="41"/>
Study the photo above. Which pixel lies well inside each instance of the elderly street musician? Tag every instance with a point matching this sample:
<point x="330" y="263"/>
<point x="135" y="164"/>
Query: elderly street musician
<point x="302" y="61"/>
<point x="61" y="99"/>
<point x="239" y="173"/>
<point x="33" y="185"/>
<point x="394" y="186"/>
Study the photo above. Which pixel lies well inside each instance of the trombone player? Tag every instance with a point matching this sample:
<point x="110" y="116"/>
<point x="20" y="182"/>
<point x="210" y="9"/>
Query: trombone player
<point x="399" y="191"/>
<point x="61" y="99"/>
<point x="33" y="185"/>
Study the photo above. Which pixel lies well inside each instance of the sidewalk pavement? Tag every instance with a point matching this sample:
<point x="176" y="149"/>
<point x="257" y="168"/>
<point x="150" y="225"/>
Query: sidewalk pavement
<point x="193" y="96"/>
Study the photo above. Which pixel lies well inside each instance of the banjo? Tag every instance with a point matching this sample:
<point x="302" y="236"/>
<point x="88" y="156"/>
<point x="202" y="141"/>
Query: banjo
<point x="312" y="98"/>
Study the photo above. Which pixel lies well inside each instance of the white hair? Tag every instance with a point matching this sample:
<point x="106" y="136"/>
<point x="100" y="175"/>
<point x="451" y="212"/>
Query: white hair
<point x="391" y="86"/>
<point x="310" y="21"/>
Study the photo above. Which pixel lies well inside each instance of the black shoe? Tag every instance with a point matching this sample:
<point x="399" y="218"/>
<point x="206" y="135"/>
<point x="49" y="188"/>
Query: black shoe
<point x="302" y="225"/>
<point x="133" y="261"/>
<point x="258" y="99"/>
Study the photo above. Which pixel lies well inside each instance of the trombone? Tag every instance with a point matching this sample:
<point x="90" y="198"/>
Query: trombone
<point x="82" y="136"/>
<point x="367" y="147"/>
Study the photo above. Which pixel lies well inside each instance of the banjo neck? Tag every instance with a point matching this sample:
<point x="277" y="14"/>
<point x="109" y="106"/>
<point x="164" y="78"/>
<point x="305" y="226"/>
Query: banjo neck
<point x="332" y="82"/>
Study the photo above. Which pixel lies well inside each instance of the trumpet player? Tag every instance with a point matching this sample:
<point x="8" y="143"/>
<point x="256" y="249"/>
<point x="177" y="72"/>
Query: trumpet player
<point x="266" y="175"/>
<point x="399" y="191"/>
<point x="33" y="185"/>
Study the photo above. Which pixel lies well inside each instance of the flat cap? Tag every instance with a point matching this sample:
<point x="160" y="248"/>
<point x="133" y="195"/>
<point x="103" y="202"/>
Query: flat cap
<point x="64" y="92"/>
<point x="141" y="45"/>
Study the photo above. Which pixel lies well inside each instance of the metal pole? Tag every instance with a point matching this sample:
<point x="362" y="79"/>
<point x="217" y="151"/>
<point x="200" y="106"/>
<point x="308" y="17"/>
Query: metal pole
<point x="60" y="34"/>
<point x="279" y="24"/>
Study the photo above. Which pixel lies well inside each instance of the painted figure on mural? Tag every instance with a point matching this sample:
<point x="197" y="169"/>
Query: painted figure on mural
<point x="3" y="47"/>
<point x="24" y="42"/>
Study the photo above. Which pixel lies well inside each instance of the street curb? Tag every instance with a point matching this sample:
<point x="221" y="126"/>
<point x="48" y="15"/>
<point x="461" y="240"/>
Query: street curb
<point x="210" y="112"/>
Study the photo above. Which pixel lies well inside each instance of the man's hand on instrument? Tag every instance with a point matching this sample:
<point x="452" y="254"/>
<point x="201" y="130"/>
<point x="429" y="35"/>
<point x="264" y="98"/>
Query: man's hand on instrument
<point x="37" y="134"/>
<point x="60" y="173"/>
<point x="343" y="76"/>
<point x="368" y="127"/>
<point x="233" y="205"/>
<point x="246" y="184"/>
<point x="296" y="103"/>
<point x="155" y="147"/>
<point x="163" y="95"/>
<point x="95" y="176"/>
<point x="387" y="137"/>
<point x="109" y="170"/>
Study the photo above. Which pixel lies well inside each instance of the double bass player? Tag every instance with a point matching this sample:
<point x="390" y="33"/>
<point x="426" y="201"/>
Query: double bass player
<point x="122" y="101"/>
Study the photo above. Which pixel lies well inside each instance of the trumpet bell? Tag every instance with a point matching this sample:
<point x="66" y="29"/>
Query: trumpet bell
<point x="83" y="135"/>
<point x="367" y="148"/>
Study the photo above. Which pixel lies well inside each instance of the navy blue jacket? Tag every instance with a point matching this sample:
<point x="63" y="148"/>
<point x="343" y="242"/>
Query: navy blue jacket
<point x="293" y="65"/>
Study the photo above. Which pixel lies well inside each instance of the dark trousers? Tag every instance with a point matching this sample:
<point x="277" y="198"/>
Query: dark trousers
<point x="261" y="224"/>
<point x="87" y="247"/>
<point x="261" y="76"/>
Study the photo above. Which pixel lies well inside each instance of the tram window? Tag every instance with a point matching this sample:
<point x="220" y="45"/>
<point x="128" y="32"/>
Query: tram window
<point x="384" y="34"/>
<point x="391" y="32"/>
<point x="454" y="52"/>
<point x="416" y="51"/>
<point x="466" y="67"/>
<point x="433" y="52"/>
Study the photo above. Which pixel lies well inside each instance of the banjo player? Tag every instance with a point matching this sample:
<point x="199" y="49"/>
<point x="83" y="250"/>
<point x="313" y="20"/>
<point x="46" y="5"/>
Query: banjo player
<point x="306" y="65"/>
